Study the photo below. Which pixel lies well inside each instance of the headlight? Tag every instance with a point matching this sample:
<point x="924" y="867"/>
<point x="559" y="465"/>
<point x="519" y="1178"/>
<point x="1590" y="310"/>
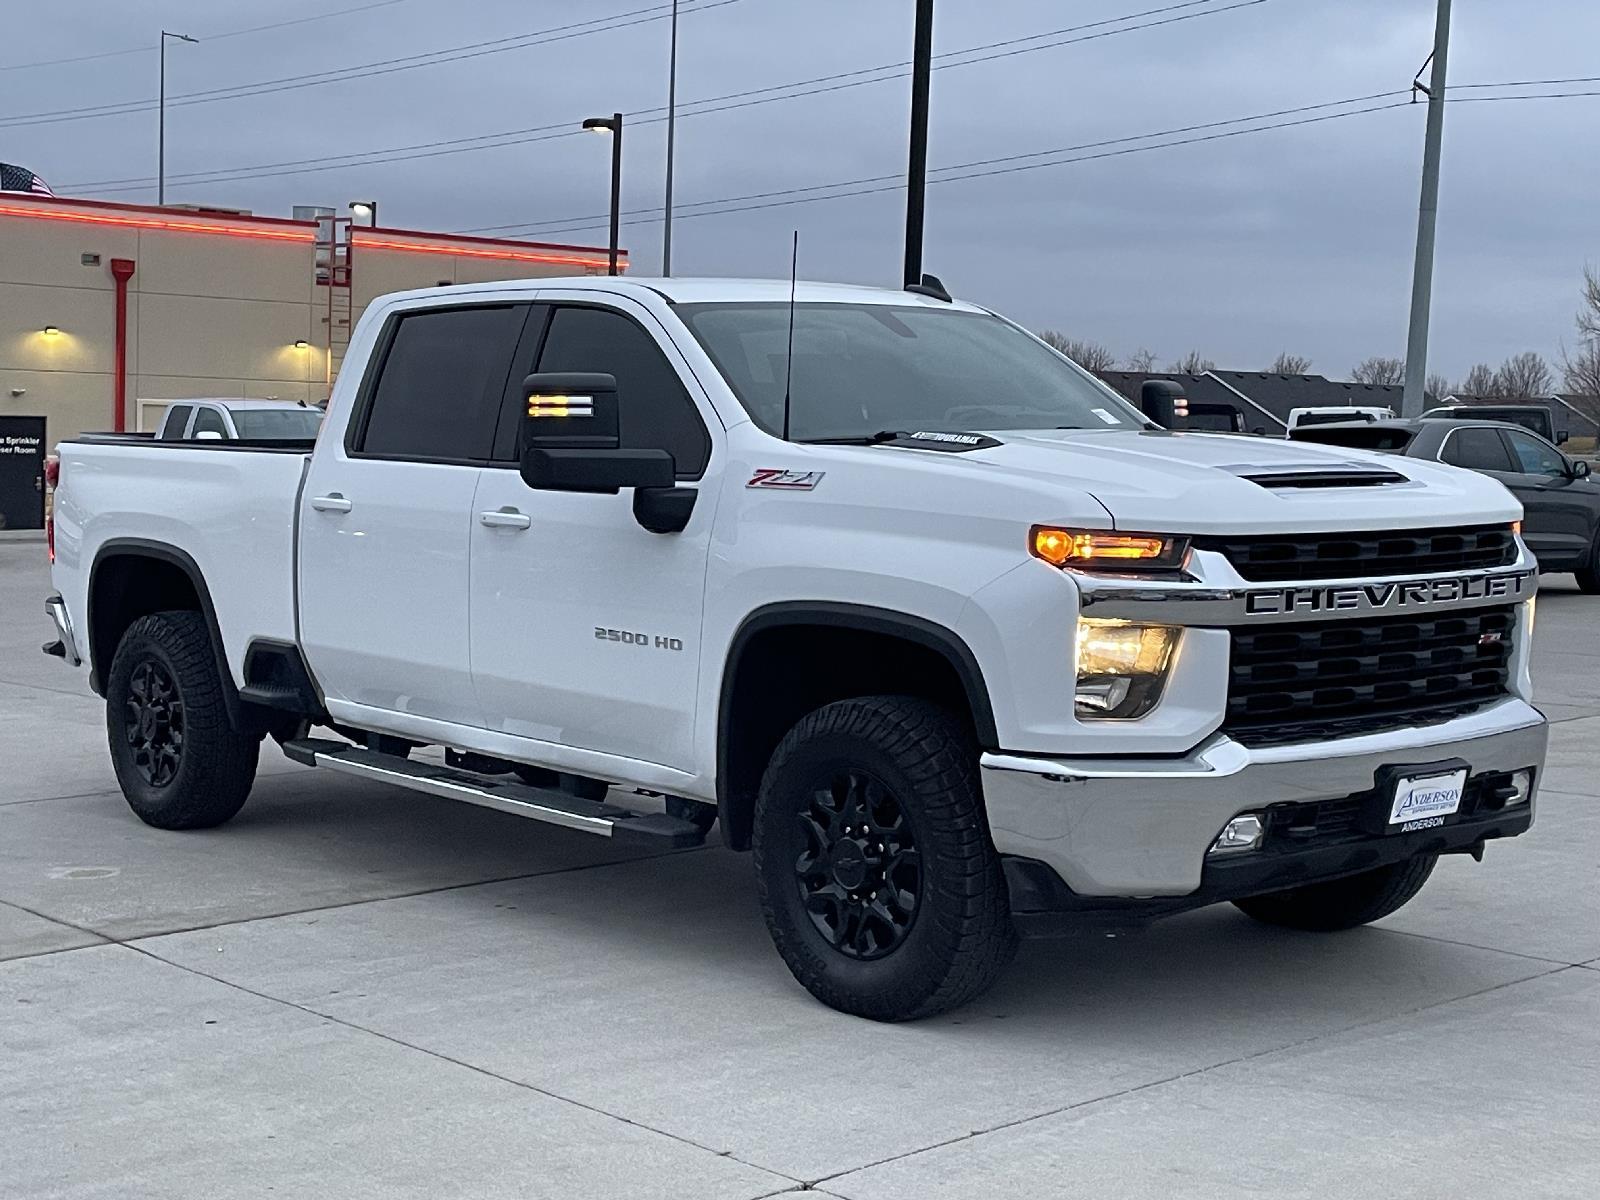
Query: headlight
<point x="1121" y="668"/>
<point x="1089" y="549"/>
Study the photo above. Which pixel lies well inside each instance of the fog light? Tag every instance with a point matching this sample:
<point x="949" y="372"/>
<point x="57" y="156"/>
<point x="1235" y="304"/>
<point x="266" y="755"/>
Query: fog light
<point x="1520" y="787"/>
<point x="1244" y="832"/>
<point x="1120" y="668"/>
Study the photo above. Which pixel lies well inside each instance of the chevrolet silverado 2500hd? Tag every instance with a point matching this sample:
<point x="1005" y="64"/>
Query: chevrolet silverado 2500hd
<point x="951" y="637"/>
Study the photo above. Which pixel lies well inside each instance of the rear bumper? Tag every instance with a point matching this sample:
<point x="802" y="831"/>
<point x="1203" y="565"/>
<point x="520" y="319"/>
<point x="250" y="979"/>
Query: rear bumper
<point x="65" y="647"/>
<point x="1141" y="827"/>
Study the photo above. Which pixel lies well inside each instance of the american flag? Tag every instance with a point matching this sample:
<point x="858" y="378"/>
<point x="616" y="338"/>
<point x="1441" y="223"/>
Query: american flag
<point x="20" y="179"/>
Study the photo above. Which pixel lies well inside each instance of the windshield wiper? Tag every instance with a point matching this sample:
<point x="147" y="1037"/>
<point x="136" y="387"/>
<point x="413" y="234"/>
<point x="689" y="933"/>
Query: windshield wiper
<point x="871" y="439"/>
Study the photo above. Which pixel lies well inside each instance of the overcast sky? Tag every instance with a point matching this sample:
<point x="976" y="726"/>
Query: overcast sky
<point x="1291" y="239"/>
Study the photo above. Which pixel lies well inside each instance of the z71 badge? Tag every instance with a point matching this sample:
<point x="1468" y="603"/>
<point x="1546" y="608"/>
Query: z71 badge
<point x="787" y="481"/>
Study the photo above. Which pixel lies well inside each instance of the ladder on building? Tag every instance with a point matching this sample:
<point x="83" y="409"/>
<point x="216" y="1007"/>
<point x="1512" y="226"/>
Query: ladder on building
<point x="333" y="263"/>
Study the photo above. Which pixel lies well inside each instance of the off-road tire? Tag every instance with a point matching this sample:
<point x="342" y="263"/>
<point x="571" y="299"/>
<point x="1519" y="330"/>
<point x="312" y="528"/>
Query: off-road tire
<point x="1343" y="903"/>
<point x="215" y="765"/>
<point x="959" y="936"/>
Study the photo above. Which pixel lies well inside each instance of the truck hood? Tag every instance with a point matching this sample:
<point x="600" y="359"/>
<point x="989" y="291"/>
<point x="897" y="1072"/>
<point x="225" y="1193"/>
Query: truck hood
<point x="1220" y="483"/>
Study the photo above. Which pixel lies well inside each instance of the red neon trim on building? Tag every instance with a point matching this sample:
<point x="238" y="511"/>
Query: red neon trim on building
<point x="124" y="207"/>
<point x="476" y="240"/>
<point x="300" y="233"/>
<point x="365" y="242"/>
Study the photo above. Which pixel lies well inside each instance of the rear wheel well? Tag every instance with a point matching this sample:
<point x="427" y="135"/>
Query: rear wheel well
<point x="133" y="581"/>
<point x="781" y="668"/>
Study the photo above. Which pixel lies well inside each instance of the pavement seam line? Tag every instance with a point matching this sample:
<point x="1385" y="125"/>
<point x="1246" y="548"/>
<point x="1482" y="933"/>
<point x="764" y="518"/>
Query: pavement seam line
<point x="456" y="1062"/>
<point x="1433" y="937"/>
<point x="1190" y="1074"/>
<point x="100" y="938"/>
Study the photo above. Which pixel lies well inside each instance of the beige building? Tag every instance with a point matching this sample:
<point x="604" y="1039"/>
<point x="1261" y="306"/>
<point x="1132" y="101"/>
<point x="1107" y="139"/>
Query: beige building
<point x="209" y="303"/>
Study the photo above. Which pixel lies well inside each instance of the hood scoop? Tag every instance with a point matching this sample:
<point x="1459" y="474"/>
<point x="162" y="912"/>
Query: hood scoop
<point x="1319" y="475"/>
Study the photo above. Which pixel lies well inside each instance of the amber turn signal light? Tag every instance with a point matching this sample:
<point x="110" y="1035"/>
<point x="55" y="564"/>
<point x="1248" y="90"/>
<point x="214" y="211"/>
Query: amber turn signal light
<point x="1088" y="549"/>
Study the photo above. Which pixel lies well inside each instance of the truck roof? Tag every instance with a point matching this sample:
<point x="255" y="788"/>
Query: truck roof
<point x="704" y="291"/>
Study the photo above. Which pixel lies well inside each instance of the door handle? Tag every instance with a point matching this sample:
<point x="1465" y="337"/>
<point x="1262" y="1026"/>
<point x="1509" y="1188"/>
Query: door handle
<point x="505" y="518"/>
<point x="332" y="502"/>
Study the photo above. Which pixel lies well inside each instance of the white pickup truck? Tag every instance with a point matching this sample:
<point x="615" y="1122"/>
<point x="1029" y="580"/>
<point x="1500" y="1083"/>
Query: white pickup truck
<point x="958" y="642"/>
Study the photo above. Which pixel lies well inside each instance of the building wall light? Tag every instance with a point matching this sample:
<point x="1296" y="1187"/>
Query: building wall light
<point x="51" y="331"/>
<point x="301" y="344"/>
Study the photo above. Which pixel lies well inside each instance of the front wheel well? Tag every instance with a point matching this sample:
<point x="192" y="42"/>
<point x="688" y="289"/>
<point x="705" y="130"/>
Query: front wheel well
<point x="783" y="665"/>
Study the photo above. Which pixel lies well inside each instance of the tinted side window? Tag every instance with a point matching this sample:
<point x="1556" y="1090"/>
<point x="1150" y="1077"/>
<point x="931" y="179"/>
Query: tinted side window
<point x="177" y="417"/>
<point x="1479" y="449"/>
<point x="1535" y="457"/>
<point x="439" y="389"/>
<point x="656" y="412"/>
<point x="209" y="420"/>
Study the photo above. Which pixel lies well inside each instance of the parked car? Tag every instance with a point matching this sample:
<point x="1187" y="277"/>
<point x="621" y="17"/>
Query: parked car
<point x="1560" y="498"/>
<point x="1535" y="417"/>
<point x="947" y="633"/>
<point x="212" y="419"/>
<point x="1330" y="414"/>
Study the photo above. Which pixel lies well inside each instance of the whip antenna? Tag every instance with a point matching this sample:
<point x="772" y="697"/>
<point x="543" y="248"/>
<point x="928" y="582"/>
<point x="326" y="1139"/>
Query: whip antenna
<point x="788" y="358"/>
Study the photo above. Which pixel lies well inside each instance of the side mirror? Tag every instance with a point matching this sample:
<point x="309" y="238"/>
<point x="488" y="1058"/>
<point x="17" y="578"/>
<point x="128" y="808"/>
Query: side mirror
<point x="1580" y="469"/>
<point x="1163" y="402"/>
<point x="571" y="438"/>
<point x="1562" y="435"/>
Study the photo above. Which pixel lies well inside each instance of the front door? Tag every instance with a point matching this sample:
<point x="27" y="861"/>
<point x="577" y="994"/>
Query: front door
<point x="1558" y="508"/>
<point x="21" y="472"/>
<point x="585" y="626"/>
<point x="385" y="517"/>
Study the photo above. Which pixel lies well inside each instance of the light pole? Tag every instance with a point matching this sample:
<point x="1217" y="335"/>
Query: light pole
<point x="1412" y="399"/>
<point x="917" y="170"/>
<point x="613" y="126"/>
<point x="365" y="210"/>
<point x="161" y="136"/>
<point x="672" y="133"/>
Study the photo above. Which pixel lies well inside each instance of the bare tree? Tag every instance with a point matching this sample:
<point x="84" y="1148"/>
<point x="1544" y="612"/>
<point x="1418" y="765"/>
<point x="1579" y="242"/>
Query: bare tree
<point x="1580" y="371"/>
<point x="1523" y="375"/>
<point x="1480" y="381"/>
<point x="1290" y="364"/>
<point x="1193" y="363"/>
<point x="1379" y="370"/>
<point x="1437" y="387"/>
<point x="1142" y="359"/>
<point x="1091" y="356"/>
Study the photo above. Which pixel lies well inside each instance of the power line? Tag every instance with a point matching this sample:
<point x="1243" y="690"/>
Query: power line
<point x="987" y="52"/>
<point x="210" y="37"/>
<point x="879" y="184"/>
<point x="388" y="66"/>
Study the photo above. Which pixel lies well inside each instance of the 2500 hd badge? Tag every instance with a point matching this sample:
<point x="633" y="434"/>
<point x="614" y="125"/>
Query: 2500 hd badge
<point x="1373" y="597"/>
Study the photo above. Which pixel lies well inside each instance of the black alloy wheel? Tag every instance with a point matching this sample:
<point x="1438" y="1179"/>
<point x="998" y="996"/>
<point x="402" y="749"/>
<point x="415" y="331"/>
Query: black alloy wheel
<point x="153" y="719"/>
<point x="860" y="875"/>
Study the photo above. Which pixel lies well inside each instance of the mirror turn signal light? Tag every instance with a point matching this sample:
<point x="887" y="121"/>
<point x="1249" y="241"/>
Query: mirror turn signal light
<point x="1113" y="551"/>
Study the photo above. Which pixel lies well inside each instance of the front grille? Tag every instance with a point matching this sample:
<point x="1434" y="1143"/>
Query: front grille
<point x="1366" y="555"/>
<point x="1319" y="679"/>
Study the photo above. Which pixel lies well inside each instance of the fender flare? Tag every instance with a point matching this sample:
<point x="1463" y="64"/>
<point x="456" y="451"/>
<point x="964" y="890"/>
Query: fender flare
<point x="842" y="615"/>
<point x="172" y="556"/>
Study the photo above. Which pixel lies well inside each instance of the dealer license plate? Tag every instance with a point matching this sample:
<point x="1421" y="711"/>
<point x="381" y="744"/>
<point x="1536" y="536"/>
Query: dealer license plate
<point x="1424" y="801"/>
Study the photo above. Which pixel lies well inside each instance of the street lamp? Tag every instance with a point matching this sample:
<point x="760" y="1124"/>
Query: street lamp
<point x="161" y="141"/>
<point x="365" y="210"/>
<point x="613" y="126"/>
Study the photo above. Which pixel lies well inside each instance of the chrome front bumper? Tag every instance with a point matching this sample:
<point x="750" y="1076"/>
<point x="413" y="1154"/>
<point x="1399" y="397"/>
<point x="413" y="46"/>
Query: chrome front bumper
<point x="1142" y="826"/>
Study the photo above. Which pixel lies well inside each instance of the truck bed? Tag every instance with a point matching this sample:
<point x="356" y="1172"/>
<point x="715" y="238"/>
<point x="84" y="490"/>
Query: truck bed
<point x="228" y="507"/>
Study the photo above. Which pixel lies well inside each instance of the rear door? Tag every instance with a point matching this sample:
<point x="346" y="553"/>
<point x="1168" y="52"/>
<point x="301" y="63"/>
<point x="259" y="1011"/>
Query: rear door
<point x="1559" y="508"/>
<point x="386" y="515"/>
<point x="585" y="626"/>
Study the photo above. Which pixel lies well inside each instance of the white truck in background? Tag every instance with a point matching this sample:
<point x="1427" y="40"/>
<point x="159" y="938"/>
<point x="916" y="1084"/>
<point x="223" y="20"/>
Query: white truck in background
<point x="958" y="642"/>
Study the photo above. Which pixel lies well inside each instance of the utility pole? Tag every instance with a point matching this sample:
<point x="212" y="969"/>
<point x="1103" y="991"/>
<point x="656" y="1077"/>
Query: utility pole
<point x="917" y="172"/>
<point x="1413" y="400"/>
<point x="161" y="121"/>
<point x="672" y="133"/>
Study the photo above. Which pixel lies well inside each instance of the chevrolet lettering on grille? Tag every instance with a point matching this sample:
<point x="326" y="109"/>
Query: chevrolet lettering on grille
<point x="1390" y="596"/>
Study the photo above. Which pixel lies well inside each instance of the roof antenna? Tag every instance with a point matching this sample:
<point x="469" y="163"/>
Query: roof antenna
<point x="788" y="359"/>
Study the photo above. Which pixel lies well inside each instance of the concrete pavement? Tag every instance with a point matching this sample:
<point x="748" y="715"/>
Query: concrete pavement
<point x="357" y="991"/>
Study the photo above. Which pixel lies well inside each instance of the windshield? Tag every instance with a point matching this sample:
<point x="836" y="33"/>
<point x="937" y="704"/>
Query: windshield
<point x="860" y="370"/>
<point x="277" y="424"/>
